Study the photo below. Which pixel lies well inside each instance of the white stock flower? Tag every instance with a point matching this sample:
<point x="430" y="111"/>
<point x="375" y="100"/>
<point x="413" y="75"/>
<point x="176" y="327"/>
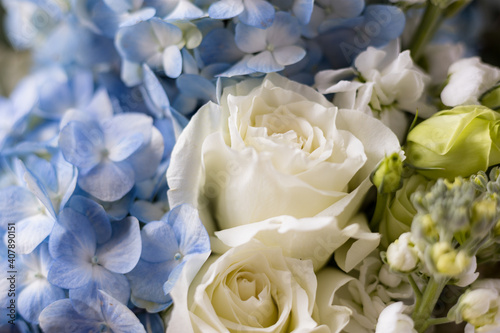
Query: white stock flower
<point x="250" y="288"/>
<point x="356" y="303"/>
<point x="480" y="307"/>
<point x="402" y="255"/>
<point x="386" y="83"/>
<point x="393" y="320"/>
<point x="468" y="79"/>
<point x="279" y="163"/>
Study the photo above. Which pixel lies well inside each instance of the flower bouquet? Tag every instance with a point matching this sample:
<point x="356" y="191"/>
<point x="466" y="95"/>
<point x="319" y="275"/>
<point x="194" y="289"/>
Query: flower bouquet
<point x="250" y="166"/>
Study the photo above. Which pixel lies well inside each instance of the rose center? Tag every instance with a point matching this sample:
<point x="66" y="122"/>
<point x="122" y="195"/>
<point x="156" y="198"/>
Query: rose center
<point x="246" y="288"/>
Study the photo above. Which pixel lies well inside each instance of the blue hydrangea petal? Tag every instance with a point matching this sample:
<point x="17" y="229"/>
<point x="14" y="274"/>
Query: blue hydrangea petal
<point x="258" y="13"/>
<point x="159" y="242"/>
<point x="38" y="189"/>
<point x="166" y="33"/>
<point x="191" y="234"/>
<point x="60" y="316"/>
<point x="96" y="215"/>
<point x="391" y="21"/>
<point x="174" y="275"/>
<point x="125" y="133"/>
<point x="136" y="43"/>
<point x="119" y="317"/>
<point x="289" y="55"/>
<point x="68" y="272"/>
<point x="81" y="144"/>
<point x="116" y="285"/>
<point x="131" y="73"/>
<point x="147" y="279"/>
<point x="146" y="211"/>
<point x="145" y="161"/>
<point x="152" y="322"/>
<point x="31" y="231"/>
<point x="284" y="31"/>
<point x="250" y="39"/>
<point x="185" y="10"/>
<point x="135" y="17"/>
<point x="122" y="252"/>
<point x="196" y="86"/>
<point x="108" y="181"/>
<point x="16" y="203"/>
<point x="302" y="9"/>
<point x="100" y="105"/>
<point x="67" y="176"/>
<point x="120" y="6"/>
<point x="264" y="62"/>
<point x="154" y="90"/>
<point x="72" y="236"/>
<point x="240" y="68"/>
<point x="172" y="61"/>
<point x="347" y="9"/>
<point x="226" y="9"/>
<point x="219" y="46"/>
<point x="35" y="297"/>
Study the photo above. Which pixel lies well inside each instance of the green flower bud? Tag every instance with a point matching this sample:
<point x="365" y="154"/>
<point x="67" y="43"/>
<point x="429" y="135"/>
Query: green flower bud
<point x="491" y="98"/>
<point x="400" y="212"/>
<point x="448" y="261"/>
<point x="387" y="175"/>
<point x="457" y="142"/>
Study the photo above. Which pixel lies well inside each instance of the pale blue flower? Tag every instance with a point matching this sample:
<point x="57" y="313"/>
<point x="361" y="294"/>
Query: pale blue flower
<point x="33" y="207"/>
<point x="35" y="292"/>
<point x="153" y="42"/>
<point x="256" y="13"/>
<point x="91" y="254"/>
<point x="301" y="9"/>
<point x="167" y="247"/>
<point x="113" y="155"/>
<point x="109" y="316"/>
<point x="273" y="48"/>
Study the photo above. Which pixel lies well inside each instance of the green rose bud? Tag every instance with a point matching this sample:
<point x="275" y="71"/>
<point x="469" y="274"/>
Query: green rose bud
<point x="400" y="212"/>
<point x="457" y="142"/>
<point x="387" y="175"/>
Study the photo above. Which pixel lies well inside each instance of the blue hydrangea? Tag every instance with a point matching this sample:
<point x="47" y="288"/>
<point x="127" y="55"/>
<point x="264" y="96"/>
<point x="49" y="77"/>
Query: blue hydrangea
<point x="109" y="316"/>
<point x="110" y="155"/>
<point x="167" y="247"/>
<point x="90" y="253"/>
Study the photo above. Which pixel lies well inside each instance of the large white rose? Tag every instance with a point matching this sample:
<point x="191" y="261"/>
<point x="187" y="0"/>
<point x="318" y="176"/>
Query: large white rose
<point x="277" y="162"/>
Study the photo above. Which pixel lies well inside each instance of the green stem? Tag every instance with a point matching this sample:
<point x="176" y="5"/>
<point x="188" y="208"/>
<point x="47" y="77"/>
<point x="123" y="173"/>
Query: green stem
<point x="430" y="297"/>
<point x="438" y="321"/>
<point x="416" y="291"/>
<point x="426" y="29"/>
<point x="380" y="206"/>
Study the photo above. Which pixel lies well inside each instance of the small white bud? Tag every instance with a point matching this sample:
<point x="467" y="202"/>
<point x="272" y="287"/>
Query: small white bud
<point x="402" y="255"/>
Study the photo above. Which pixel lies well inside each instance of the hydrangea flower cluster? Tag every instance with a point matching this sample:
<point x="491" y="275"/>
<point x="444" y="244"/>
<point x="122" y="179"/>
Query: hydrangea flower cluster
<point x="199" y="165"/>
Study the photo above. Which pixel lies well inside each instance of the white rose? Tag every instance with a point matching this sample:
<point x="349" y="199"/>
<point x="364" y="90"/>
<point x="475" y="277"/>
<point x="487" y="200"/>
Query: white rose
<point x="250" y="288"/>
<point x="279" y="163"/>
<point x="468" y="79"/>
